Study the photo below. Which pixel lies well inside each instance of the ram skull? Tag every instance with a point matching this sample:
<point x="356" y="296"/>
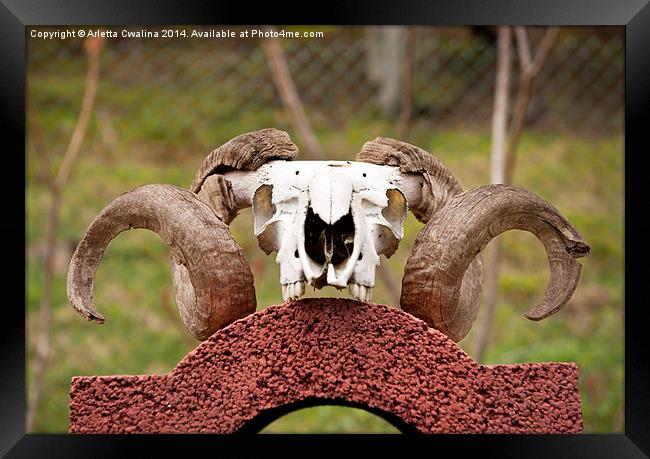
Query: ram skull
<point x="329" y="222"/>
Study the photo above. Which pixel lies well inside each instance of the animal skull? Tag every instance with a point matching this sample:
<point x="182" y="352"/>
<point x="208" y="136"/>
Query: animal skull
<point x="329" y="221"/>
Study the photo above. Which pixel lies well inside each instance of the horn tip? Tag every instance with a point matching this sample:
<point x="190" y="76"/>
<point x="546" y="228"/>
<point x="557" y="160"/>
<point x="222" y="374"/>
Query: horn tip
<point x="579" y="249"/>
<point x="91" y="315"/>
<point x="98" y="318"/>
<point x="533" y="317"/>
<point x="538" y="313"/>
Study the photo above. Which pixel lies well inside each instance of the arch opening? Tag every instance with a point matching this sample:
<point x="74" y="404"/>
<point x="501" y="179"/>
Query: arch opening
<point x="267" y="417"/>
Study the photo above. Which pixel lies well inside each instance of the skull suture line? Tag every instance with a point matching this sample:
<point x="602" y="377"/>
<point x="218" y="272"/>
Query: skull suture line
<point x="329" y="221"/>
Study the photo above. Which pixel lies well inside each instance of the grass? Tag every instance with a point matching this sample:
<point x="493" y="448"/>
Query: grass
<point x="152" y="133"/>
<point x="330" y="419"/>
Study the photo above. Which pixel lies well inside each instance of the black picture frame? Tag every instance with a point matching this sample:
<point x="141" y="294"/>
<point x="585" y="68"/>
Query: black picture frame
<point x="16" y="15"/>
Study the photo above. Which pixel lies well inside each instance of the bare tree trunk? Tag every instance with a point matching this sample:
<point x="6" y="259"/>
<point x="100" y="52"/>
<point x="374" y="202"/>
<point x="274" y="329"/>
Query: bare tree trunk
<point x="499" y="121"/>
<point x="293" y="105"/>
<point x="289" y="95"/>
<point x="172" y="314"/>
<point x="385" y="48"/>
<point x="393" y="287"/>
<point x="93" y="48"/>
<point x="43" y="161"/>
<point x="407" y="84"/>
<point x="529" y="70"/>
<point x="500" y="110"/>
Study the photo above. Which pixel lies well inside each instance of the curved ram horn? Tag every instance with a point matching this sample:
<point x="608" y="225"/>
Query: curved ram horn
<point x="245" y="152"/>
<point x="438" y="186"/>
<point x="217" y="271"/>
<point x="439" y="183"/>
<point x="439" y="288"/>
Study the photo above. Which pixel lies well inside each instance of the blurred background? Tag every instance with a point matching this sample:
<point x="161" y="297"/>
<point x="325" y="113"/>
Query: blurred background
<point x="107" y="116"/>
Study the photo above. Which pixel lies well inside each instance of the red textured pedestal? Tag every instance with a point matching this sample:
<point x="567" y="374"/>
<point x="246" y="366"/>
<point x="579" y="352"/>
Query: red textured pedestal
<point x="317" y="351"/>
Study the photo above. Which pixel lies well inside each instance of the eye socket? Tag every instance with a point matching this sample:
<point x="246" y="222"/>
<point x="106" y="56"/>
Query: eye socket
<point x="295" y="254"/>
<point x="364" y="174"/>
<point x="297" y="172"/>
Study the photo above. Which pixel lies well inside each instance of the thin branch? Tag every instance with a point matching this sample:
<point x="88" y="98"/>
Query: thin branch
<point x="544" y="48"/>
<point x="407" y="84"/>
<point x="92" y="77"/>
<point x="289" y="95"/>
<point x="392" y="286"/>
<point x="500" y="110"/>
<point x="499" y="120"/>
<point x="491" y="296"/>
<point x="524" y="95"/>
<point x="166" y="303"/>
<point x="44" y="166"/>
<point x="523" y="47"/>
<point x="93" y="48"/>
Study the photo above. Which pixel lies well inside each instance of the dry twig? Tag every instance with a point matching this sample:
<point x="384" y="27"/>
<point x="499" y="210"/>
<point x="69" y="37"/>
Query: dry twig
<point x="529" y="70"/>
<point x="289" y="95"/>
<point x="407" y="86"/>
<point x="165" y="301"/>
<point x="93" y="48"/>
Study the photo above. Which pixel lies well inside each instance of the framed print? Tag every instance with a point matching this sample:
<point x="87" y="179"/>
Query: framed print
<point x="182" y="118"/>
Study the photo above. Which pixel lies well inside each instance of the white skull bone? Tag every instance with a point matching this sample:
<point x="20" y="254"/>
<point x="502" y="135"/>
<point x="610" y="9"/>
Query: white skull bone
<point x="328" y="221"/>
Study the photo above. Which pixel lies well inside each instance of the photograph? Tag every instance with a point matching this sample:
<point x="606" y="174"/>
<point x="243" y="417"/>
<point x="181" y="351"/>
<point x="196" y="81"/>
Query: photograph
<point x="536" y="108"/>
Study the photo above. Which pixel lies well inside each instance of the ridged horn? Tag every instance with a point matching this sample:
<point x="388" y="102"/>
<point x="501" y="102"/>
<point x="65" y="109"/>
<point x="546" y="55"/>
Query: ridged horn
<point x="219" y="283"/>
<point x="439" y="288"/>
<point x="245" y="152"/>
<point x="438" y="186"/>
<point x="439" y="183"/>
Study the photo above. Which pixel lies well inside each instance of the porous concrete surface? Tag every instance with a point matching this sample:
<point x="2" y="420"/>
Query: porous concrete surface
<point x="367" y="355"/>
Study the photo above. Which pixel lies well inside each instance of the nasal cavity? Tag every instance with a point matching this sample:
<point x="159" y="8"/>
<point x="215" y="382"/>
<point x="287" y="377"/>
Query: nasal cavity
<point x="329" y="243"/>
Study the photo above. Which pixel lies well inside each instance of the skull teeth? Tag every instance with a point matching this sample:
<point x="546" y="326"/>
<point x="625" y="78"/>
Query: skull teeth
<point x="293" y="291"/>
<point x="360" y="292"/>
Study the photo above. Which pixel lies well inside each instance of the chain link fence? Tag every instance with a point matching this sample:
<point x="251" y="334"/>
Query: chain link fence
<point x="353" y="72"/>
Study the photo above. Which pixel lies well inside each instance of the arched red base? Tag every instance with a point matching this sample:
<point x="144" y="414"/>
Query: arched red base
<point x="366" y="355"/>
